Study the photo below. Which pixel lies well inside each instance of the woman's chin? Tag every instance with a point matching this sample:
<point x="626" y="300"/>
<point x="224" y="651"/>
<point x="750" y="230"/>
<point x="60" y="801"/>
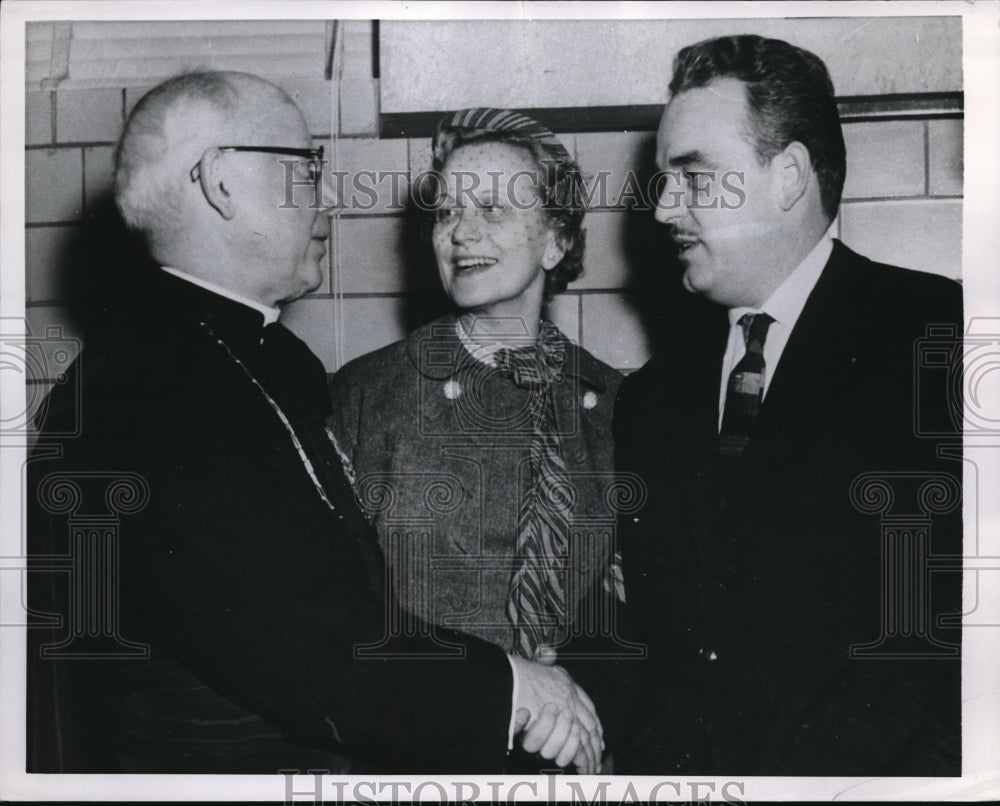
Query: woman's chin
<point x="469" y="300"/>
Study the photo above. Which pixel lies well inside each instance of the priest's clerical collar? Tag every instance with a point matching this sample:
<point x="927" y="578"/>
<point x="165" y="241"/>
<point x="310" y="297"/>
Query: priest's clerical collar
<point x="269" y="313"/>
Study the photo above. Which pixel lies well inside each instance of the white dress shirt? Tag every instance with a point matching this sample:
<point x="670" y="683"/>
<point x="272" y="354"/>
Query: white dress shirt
<point x="270" y="314"/>
<point x="784" y="306"/>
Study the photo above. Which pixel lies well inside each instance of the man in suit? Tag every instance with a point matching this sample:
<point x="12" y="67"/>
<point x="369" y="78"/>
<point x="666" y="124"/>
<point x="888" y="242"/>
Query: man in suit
<point x="792" y="628"/>
<point x="225" y="609"/>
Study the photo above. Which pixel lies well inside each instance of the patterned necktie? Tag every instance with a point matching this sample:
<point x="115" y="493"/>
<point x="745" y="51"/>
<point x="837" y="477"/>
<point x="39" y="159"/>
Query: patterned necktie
<point x="536" y="598"/>
<point x="745" y="389"/>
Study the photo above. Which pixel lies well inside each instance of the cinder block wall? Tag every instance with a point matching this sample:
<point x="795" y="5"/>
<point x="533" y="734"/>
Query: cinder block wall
<point x="902" y="204"/>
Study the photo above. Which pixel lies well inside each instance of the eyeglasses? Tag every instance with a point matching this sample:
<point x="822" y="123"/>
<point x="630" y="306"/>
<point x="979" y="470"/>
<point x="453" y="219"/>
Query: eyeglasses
<point x="314" y="155"/>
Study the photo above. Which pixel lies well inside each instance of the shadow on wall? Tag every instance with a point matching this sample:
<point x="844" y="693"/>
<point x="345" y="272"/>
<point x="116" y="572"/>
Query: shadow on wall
<point x="653" y="276"/>
<point x="103" y="265"/>
<point x="424" y="299"/>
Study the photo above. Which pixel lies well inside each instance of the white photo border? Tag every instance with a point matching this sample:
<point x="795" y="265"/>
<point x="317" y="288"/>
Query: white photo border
<point x="981" y="257"/>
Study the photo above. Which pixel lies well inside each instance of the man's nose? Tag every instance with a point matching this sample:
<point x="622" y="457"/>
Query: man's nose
<point x="326" y="201"/>
<point x="672" y="203"/>
<point x="321" y="224"/>
<point x="329" y="198"/>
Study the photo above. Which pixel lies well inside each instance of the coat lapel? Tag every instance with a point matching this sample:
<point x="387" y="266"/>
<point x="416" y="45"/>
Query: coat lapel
<point x="803" y="394"/>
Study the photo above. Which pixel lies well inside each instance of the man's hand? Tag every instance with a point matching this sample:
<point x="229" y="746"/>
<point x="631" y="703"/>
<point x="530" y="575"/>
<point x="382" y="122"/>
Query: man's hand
<point x="558" y="719"/>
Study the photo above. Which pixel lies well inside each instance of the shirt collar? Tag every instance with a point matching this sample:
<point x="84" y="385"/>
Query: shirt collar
<point x="787" y="301"/>
<point x="483" y="352"/>
<point x="431" y="350"/>
<point x="270" y="314"/>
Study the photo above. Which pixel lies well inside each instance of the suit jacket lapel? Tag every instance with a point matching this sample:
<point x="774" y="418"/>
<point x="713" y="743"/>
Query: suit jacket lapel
<point x="816" y="360"/>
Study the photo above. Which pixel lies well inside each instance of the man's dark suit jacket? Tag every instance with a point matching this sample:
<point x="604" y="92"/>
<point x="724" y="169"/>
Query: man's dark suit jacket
<point x="250" y="592"/>
<point x="750" y="615"/>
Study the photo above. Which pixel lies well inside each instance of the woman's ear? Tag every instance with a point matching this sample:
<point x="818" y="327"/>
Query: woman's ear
<point x="554" y="251"/>
<point x="794" y="171"/>
<point x="213" y="183"/>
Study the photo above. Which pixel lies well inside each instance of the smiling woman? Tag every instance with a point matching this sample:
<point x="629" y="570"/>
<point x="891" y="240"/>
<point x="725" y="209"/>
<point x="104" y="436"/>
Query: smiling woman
<point x="481" y="441"/>
<point x="495" y="245"/>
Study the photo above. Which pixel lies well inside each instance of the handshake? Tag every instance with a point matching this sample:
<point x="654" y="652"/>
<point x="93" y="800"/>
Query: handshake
<point x="555" y="717"/>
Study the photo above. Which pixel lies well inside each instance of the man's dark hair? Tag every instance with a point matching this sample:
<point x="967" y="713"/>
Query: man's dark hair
<point x="790" y="96"/>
